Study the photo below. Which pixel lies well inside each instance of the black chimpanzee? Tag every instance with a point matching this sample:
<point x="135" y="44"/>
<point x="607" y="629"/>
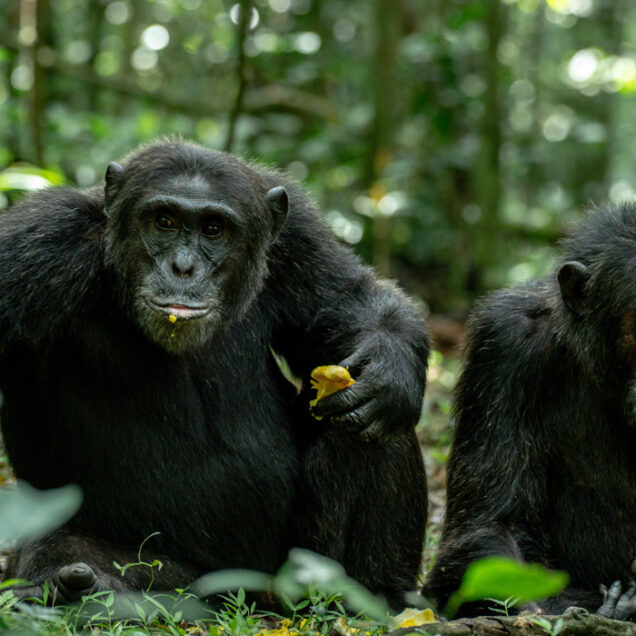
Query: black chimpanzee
<point x="136" y="322"/>
<point x="543" y="463"/>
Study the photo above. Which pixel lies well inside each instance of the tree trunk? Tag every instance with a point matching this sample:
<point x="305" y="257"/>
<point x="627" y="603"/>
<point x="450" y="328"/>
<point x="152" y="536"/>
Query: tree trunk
<point x="385" y="100"/>
<point x="33" y="15"/>
<point x="487" y="180"/>
<point x="242" y="29"/>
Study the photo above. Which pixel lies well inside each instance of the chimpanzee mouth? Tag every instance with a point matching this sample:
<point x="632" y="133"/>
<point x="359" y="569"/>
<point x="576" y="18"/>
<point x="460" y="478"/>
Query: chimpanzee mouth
<point x="179" y="310"/>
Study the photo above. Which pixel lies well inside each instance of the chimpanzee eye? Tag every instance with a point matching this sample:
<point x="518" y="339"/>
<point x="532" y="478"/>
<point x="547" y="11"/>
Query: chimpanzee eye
<point x="213" y="228"/>
<point x="165" y="222"/>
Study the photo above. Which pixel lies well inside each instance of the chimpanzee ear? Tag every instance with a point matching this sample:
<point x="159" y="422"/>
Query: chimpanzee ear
<point x="572" y="277"/>
<point x="279" y="205"/>
<point x="114" y="173"/>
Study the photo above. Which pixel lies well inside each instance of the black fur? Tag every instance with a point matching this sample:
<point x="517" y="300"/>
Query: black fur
<point x="543" y="464"/>
<point x="189" y="428"/>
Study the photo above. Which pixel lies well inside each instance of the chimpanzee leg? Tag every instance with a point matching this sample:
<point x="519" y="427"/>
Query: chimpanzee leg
<point x="74" y="565"/>
<point x="365" y="505"/>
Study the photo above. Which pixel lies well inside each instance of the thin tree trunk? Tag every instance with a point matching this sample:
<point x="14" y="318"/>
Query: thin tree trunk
<point x="31" y="12"/>
<point x="487" y="183"/>
<point x="14" y="143"/>
<point x="95" y="21"/>
<point x="385" y="99"/>
<point x="245" y="16"/>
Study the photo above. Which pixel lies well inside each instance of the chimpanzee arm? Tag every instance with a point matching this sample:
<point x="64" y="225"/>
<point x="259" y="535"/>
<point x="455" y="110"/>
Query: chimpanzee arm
<point x="50" y="263"/>
<point x="331" y="309"/>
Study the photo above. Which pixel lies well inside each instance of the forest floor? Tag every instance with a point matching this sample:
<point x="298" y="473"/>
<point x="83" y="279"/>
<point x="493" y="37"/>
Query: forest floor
<point x="434" y="432"/>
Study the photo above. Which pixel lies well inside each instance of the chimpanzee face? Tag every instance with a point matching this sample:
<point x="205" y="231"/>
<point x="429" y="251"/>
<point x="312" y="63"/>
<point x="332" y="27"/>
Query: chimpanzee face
<point x="191" y="253"/>
<point x="188" y="238"/>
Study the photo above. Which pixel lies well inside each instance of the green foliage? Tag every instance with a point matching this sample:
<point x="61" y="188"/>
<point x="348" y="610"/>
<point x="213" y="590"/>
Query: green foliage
<point x="26" y="177"/>
<point x="306" y="571"/>
<point x="504" y="578"/>
<point x="313" y="589"/>
<point x="484" y="166"/>
<point x="26" y="513"/>
<point x="301" y="576"/>
<point x="154" y="565"/>
<point x="550" y="628"/>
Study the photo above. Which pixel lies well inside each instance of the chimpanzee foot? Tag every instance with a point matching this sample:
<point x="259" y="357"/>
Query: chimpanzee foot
<point x="617" y="605"/>
<point x="67" y="585"/>
<point x="73" y="581"/>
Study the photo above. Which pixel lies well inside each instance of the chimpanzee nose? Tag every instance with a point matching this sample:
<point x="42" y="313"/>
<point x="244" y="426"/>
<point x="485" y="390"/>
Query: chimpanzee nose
<point x="183" y="266"/>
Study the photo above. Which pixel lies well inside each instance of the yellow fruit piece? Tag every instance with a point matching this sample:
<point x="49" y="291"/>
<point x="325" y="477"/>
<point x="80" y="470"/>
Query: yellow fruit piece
<point x="329" y="379"/>
<point x="412" y="617"/>
<point x="172" y="318"/>
<point x="286" y="629"/>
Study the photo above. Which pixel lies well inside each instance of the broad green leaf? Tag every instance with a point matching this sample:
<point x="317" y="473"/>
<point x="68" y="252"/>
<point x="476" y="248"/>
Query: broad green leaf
<point x="27" y="513"/>
<point x="501" y="578"/>
<point x="305" y="569"/>
<point x="224" y="580"/>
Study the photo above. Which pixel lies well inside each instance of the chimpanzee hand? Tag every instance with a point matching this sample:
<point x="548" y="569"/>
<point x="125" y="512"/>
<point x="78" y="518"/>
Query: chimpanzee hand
<point x="386" y="397"/>
<point x="617" y="605"/>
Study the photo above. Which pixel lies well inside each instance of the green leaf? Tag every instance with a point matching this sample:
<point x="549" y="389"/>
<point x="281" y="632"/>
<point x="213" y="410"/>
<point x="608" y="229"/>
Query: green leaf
<point x="501" y="577"/>
<point x="305" y="569"/>
<point x="27" y="513"/>
<point x="224" y="580"/>
<point x="28" y="177"/>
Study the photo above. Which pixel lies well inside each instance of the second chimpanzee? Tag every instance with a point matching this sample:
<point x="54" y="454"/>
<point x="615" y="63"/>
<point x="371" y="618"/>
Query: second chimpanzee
<point x="136" y="322"/>
<point x="543" y="464"/>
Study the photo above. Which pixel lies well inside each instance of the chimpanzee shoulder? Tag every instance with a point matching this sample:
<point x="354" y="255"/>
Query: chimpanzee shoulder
<point x="52" y="240"/>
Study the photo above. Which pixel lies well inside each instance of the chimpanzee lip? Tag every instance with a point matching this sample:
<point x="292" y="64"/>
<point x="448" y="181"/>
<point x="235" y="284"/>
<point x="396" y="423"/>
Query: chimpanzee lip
<point x="179" y="309"/>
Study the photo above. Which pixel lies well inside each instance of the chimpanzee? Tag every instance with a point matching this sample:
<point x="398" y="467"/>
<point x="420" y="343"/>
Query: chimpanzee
<point x="543" y="462"/>
<point x="137" y="324"/>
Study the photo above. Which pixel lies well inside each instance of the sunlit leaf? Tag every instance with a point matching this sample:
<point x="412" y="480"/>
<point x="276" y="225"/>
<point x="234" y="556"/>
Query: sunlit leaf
<point x="501" y="578"/>
<point x="27" y="177"/>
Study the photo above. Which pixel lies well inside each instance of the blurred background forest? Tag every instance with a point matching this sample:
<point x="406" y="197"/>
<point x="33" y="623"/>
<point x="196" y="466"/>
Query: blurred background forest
<point x="450" y="142"/>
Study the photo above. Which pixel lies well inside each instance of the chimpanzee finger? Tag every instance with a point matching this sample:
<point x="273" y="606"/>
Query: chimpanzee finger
<point x="626" y="605"/>
<point x="343" y="401"/>
<point x="374" y="432"/>
<point x="608" y="608"/>
<point x="357" y="419"/>
<point x="355" y="363"/>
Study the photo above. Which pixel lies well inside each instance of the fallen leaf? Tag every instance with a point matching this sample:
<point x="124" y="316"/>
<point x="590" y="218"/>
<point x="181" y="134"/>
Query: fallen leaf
<point x="412" y="617"/>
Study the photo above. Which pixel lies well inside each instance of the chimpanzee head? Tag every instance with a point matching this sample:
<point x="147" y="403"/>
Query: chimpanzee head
<point x="188" y="234"/>
<point x="597" y="283"/>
